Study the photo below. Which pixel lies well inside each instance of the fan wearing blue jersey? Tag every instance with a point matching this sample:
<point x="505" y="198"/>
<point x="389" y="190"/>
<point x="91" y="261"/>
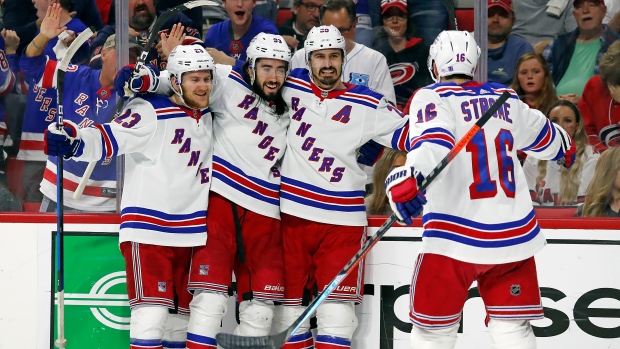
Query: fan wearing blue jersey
<point x="88" y="99"/>
<point x="322" y="190"/>
<point x="167" y="142"/>
<point x="228" y="41"/>
<point x="479" y="223"/>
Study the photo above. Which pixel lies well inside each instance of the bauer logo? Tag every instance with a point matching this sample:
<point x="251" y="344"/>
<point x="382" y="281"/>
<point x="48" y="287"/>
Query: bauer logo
<point x="96" y="305"/>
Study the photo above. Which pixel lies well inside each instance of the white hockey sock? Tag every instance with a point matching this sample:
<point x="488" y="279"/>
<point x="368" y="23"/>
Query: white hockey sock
<point x="444" y="338"/>
<point x="255" y="318"/>
<point x="147" y="325"/>
<point x="175" y="331"/>
<point x="512" y="334"/>
<point x="206" y="312"/>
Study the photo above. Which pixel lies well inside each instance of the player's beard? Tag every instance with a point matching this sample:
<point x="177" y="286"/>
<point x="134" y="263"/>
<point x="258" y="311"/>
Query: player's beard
<point x="271" y="97"/>
<point x="327" y="80"/>
<point x="195" y="103"/>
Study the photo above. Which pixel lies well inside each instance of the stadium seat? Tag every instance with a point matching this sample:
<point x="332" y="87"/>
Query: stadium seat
<point x="283" y="15"/>
<point x="465" y="19"/>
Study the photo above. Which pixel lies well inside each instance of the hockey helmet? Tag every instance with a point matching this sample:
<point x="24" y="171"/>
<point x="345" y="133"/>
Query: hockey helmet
<point x="324" y="37"/>
<point x="453" y="52"/>
<point x="187" y="58"/>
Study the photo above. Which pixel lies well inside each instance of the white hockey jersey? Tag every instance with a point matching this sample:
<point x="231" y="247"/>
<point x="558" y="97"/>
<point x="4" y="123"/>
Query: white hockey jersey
<point x="364" y="66"/>
<point x="321" y="179"/>
<point x="168" y="150"/>
<point x="549" y="194"/>
<point x="479" y="208"/>
<point x="249" y="140"/>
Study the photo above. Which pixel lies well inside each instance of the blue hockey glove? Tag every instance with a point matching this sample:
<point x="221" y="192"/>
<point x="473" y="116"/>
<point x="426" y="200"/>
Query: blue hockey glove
<point x="127" y="85"/>
<point x="369" y="153"/>
<point x="401" y="187"/>
<point x="65" y="142"/>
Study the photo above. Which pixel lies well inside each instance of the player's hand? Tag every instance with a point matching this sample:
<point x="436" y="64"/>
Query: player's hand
<point x="50" y="26"/>
<point x="169" y="42"/>
<point x="220" y="57"/>
<point x="369" y="153"/>
<point x="401" y="188"/>
<point x="127" y="84"/>
<point x="63" y="142"/>
<point x="569" y="155"/>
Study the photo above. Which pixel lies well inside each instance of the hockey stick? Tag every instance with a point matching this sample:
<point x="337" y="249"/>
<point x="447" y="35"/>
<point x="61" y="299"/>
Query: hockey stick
<point x="141" y="61"/>
<point x="61" y="342"/>
<point x="230" y="341"/>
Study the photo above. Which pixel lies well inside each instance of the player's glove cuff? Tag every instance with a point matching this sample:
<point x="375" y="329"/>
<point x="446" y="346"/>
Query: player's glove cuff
<point x="401" y="187"/>
<point x="369" y="153"/>
<point x="65" y="142"/>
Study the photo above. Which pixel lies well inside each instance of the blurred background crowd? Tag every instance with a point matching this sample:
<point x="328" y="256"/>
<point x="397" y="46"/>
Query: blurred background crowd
<point x="561" y="57"/>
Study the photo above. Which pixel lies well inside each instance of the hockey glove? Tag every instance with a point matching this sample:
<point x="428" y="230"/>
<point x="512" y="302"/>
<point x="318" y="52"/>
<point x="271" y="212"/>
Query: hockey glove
<point x="127" y="85"/>
<point x="369" y="153"/>
<point x="401" y="187"/>
<point x="65" y="142"/>
<point x="567" y="159"/>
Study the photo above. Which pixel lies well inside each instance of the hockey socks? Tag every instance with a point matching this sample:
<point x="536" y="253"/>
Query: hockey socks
<point x="195" y="341"/>
<point x="300" y="341"/>
<point x="331" y="342"/>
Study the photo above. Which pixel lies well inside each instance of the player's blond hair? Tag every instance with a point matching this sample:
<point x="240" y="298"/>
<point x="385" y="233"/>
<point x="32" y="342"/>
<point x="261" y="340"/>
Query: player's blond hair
<point x="378" y="199"/>
<point x="546" y="97"/>
<point x="598" y="195"/>
<point x="569" y="178"/>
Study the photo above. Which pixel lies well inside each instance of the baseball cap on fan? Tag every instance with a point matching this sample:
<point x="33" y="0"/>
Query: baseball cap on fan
<point x="111" y="43"/>
<point x="505" y="4"/>
<point x="399" y="4"/>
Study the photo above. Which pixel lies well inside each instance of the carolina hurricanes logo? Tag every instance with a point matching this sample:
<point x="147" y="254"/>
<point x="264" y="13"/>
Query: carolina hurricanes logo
<point x="403" y="72"/>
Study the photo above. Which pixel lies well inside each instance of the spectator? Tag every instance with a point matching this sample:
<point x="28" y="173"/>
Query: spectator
<point x="267" y="9"/>
<point x="8" y="44"/>
<point x="305" y="17"/>
<point x="603" y="194"/>
<point x="600" y="103"/>
<point x="363" y="65"/>
<point x="574" y="57"/>
<point x="539" y="27"/>
<point x="552" y="184"/>
<point x="612" y="17"/>
<point x="532" y="82"/>
<point x="406" y="55"/>
<point x="504" y="49"/>
<point x="377" y="202"/>
<point x="41" y="108"/>
<point x="88" y="99"/>
<point x="21" y="17"/>
<point x="364" y="33"/>
<point x="227" y="41"/>
<point x="142" y="14"/>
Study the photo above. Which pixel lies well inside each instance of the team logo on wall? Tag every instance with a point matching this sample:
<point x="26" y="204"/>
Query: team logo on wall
<point x="403" y="72"/>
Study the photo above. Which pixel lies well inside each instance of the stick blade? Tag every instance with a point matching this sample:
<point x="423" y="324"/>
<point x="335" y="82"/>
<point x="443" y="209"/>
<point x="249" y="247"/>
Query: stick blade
<point x="231" y="341"/>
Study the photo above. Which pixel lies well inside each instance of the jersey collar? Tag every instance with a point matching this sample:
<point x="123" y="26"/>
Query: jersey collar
<point x="322" y="94"/>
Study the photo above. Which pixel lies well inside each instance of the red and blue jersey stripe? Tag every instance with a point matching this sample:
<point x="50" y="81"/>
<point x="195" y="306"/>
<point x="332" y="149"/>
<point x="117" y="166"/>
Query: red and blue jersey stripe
<point x="483" y="235"/>
<point x="543" y="140"/>
<point x="235" y="178"/>
<point x="148" y="219"/>
<point x="435" y="135"/>
<point x="313" y="196"/>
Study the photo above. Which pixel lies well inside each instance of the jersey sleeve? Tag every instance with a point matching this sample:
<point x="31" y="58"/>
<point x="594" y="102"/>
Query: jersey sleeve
<point x="588" y="99"/>
<point x="383" y="80"/>
<point x="390" y="126"/>
<point x="219" y="87"/>
<point x="7" y="78"/>
<point x="431" y="131"/>
<point x="129" y="133"/>
<point x="298" y="60"/>
<point x="536" y="135"/>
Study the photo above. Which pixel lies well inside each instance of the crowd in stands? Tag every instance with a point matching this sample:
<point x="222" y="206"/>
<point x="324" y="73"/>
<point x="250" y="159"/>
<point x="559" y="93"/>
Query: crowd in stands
<point x="561" y="57"/>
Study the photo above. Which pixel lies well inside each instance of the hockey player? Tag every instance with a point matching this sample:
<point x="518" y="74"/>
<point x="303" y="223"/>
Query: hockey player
<point x="88" y="99"/>
<point x="322" y="190"/>
<point x="168" y="147"/>
<point x="479" y="223"/>
<point x="249" y="126"/>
